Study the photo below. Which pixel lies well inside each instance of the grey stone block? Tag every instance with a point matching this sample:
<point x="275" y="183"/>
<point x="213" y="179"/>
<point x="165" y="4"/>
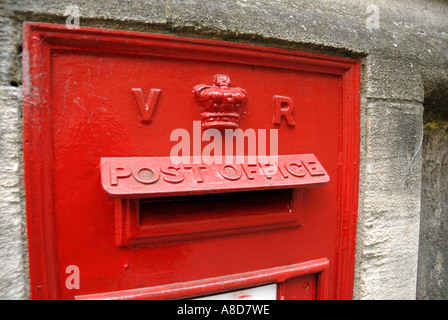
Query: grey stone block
<point x="390" y="203"/>
<point x="13" y="273"/>
<point x="393" y="79"/>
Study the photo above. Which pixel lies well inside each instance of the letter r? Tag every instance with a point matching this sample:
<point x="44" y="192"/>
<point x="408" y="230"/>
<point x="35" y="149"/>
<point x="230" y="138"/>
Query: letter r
<point x="283" y="106"/>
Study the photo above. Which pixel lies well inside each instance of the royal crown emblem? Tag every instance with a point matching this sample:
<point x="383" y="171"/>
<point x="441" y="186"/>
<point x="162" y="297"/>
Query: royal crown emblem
<point x="220" y="103"/>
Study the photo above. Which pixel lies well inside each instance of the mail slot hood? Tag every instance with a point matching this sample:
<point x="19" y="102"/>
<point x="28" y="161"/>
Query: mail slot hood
<point x="145" y="177"/>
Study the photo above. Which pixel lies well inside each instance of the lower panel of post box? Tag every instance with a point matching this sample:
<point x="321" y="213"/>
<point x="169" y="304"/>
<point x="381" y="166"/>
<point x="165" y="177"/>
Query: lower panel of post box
<point x="301" y="281"/>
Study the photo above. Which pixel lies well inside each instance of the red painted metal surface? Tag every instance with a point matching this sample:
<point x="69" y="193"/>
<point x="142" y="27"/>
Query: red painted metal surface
<point x="197" y="288"/>
<point x="144" y="221"/>
<point x="93" y="93"/>
<point x="220" y="103"/>
<point x="121" y="177"/>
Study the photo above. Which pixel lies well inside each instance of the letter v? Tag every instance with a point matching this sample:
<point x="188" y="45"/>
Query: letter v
<point x="146" y="108"/>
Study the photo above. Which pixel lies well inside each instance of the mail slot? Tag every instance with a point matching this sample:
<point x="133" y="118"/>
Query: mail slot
<point x="201" y="200"/>
<point x="162" y="167"/>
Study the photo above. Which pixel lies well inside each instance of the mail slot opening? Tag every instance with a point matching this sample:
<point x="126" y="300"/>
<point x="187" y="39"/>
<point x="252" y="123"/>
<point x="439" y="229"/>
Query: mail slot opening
<point x="170" y="219"/>
<point x="232" y="205"/>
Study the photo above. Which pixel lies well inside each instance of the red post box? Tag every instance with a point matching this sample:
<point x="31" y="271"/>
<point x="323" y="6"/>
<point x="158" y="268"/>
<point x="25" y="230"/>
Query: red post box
<point x="160" y="167"/>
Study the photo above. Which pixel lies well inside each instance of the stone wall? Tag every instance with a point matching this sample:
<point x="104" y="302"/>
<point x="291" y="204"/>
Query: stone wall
<point x="402" y="46"/>
<point x="13" y="273"/>
<point x="433" y="252"/>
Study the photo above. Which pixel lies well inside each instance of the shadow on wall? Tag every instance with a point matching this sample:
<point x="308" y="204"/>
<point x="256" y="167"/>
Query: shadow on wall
<point x="432" y="279"/>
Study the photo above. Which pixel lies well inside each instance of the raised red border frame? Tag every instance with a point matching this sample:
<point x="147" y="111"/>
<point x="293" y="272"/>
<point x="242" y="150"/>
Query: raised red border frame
<point x="39" y="41"/>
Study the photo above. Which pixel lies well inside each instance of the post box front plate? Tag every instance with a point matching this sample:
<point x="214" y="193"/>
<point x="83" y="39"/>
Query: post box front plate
<point x="93" y="96"/>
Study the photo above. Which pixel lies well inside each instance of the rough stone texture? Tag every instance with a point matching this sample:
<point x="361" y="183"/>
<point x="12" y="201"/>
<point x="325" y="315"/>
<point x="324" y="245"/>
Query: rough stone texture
<point x="386" y="81"/>
<point x="388" y="224"/>
<point x="13" y="282"/>
<point x="433" y="259"/>
<point x="403" y="61"/>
